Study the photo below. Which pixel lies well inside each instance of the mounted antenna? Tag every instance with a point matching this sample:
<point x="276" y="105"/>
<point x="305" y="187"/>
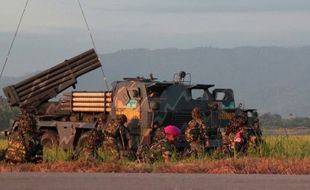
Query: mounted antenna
<point x="93" y="42"/>
<point x="13" y="40"/>
<point x="181" y="77"/>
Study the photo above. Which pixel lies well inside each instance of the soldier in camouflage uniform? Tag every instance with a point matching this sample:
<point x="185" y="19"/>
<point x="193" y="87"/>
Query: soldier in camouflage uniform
<point x="195" y="133"/>
<point x="164" y="148"/>
<point x="157" y="133"/>
<point x="111" y="133"/>
<point x="255" y="138"/>
<point x="124" y="137"/>
<point x="87" y="149"/>
<point x="236" y="126"/>
<point x="24" y="144"/>
<point x="151" y="136"/>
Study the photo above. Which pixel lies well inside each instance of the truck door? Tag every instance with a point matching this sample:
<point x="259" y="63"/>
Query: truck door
<point x="226" y="106"/>
<point x="128" y="102"/>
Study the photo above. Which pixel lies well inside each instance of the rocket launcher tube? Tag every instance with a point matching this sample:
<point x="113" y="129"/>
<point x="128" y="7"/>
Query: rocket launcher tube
<point x="41" y="87"/>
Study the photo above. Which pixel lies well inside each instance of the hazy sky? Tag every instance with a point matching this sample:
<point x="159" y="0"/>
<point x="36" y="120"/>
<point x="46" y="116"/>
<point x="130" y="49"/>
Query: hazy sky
<point x="53" y="30"/>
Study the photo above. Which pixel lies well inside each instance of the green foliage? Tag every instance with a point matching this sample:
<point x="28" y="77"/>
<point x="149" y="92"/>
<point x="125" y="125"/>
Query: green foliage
<point x="275" y="147"/>
<point x="6" y="114"/>
<point x="293" y="147"/>
<point x="3" y="143"/>
<point x="275" y="120"/>
<point x="56" y="154"/>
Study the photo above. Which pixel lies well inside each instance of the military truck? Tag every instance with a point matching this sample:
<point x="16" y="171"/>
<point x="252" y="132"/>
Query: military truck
<point x="145" y="101"/>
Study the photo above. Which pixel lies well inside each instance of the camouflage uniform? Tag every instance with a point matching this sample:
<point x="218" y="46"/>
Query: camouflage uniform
<point x="235" y="125"/>
<point x="124" y="138"/>
<point x="157" y="135"/>
<point x="254" y="135"/>
<point x="161" y="150"/>
<point x="24" y="144"/>
<point x="112" y="136"/>
<point x="195" y="134"/>
<point x="89" y="150"/>
<point x="152" y="136"/>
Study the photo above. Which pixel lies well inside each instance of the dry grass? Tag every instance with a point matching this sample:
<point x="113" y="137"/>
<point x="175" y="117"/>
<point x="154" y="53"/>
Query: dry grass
<point x="278" y="155"/>
<point x="227" y="166"/>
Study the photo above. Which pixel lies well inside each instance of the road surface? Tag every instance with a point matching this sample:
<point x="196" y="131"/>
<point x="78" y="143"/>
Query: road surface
<point x="97" y="181"/>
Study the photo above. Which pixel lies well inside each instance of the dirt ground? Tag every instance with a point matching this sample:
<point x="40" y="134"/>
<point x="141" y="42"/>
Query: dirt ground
<point x="227" y="166"/>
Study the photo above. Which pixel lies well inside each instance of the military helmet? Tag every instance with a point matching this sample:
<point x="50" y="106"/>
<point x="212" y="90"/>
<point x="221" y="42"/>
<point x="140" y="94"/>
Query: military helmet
<point x="27" y="123"/>
<point x="196" y="113"/>
<point x="121" y="118"/>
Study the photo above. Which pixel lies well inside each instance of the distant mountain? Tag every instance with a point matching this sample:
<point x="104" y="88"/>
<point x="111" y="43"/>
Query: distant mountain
<point x="272" y="79"/>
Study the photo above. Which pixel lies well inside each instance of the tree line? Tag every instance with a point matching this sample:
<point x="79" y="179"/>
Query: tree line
<point x="7" y="114"/>
<point x="270" y="120"/>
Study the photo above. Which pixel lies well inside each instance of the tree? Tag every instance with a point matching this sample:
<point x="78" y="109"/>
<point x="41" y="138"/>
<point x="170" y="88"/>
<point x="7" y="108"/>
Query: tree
<point x="6" y="114"/>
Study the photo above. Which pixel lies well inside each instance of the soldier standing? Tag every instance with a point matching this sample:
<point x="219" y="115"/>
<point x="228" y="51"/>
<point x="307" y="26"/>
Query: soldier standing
<point x="195" y="133"/>
<point x="255" y="136"/>
<point x="124" y="138"/>
<point x="24" y="145"/>
<point x="111" y="133"/>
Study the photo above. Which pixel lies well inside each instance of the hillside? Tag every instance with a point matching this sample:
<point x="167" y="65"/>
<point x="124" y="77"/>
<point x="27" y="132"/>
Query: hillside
<point x="272" y="79"/>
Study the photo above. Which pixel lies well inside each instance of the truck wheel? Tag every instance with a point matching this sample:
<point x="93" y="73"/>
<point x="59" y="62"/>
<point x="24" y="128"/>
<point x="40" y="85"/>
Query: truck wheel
<point x="49" y="139"/>
<point x="83" y="139"/>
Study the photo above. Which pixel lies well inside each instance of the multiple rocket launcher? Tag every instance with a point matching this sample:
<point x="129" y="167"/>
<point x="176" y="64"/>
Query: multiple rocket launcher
<point x="33" y="92"/>
<point x="87" y="101"/>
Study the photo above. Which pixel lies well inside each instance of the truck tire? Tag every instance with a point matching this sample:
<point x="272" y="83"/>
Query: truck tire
<point x="49" y="139"/>
<point x="83" y="139"/>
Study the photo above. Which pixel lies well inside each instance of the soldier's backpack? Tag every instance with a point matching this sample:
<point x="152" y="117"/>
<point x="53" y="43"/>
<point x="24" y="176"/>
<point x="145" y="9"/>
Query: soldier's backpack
<point x="16" y="152"/>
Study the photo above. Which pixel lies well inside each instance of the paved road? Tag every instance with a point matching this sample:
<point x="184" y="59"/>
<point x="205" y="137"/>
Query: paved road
<point x="90" y="181"/>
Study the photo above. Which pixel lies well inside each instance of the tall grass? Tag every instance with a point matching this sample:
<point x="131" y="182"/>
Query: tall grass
<point x="281" y="147"/>
<point x="275" y="147"/>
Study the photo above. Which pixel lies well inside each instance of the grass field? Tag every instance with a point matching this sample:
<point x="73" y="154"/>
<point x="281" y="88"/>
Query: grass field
<point x="276" y="147"/>
<point x="278" y="155"/>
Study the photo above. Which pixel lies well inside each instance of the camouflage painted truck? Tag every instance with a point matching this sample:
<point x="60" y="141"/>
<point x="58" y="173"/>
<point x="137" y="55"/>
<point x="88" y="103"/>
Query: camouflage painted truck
<point x="145" y="102"/>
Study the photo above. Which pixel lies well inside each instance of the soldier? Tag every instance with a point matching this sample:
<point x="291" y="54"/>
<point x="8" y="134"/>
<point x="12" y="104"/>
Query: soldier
<point x="195" y="133"/>
<point x="124" y="138"/>
<point x="254" y="135"/>
<point x="158" y="133"/>
<point x="111" y="133"/>
<point x="24" y="144"/>
<point x="87" y="149"/>
<point x="240" y="141"/>
<point x="151" y="136"/>
<point x="163" y="149"/>
<point x="234" y="139"/>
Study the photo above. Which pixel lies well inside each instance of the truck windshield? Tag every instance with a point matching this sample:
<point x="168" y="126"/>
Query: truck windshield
<point x="155" y="91"/>
<point x="199" y="94"/>
<point x="226" y="101"/>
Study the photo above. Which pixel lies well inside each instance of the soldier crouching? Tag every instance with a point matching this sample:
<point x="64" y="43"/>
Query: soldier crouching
<point x="24" y="144"/>
<point x="87" y="148"/>
<point x="164" y="148"/>
<point x="234" y="140"/>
